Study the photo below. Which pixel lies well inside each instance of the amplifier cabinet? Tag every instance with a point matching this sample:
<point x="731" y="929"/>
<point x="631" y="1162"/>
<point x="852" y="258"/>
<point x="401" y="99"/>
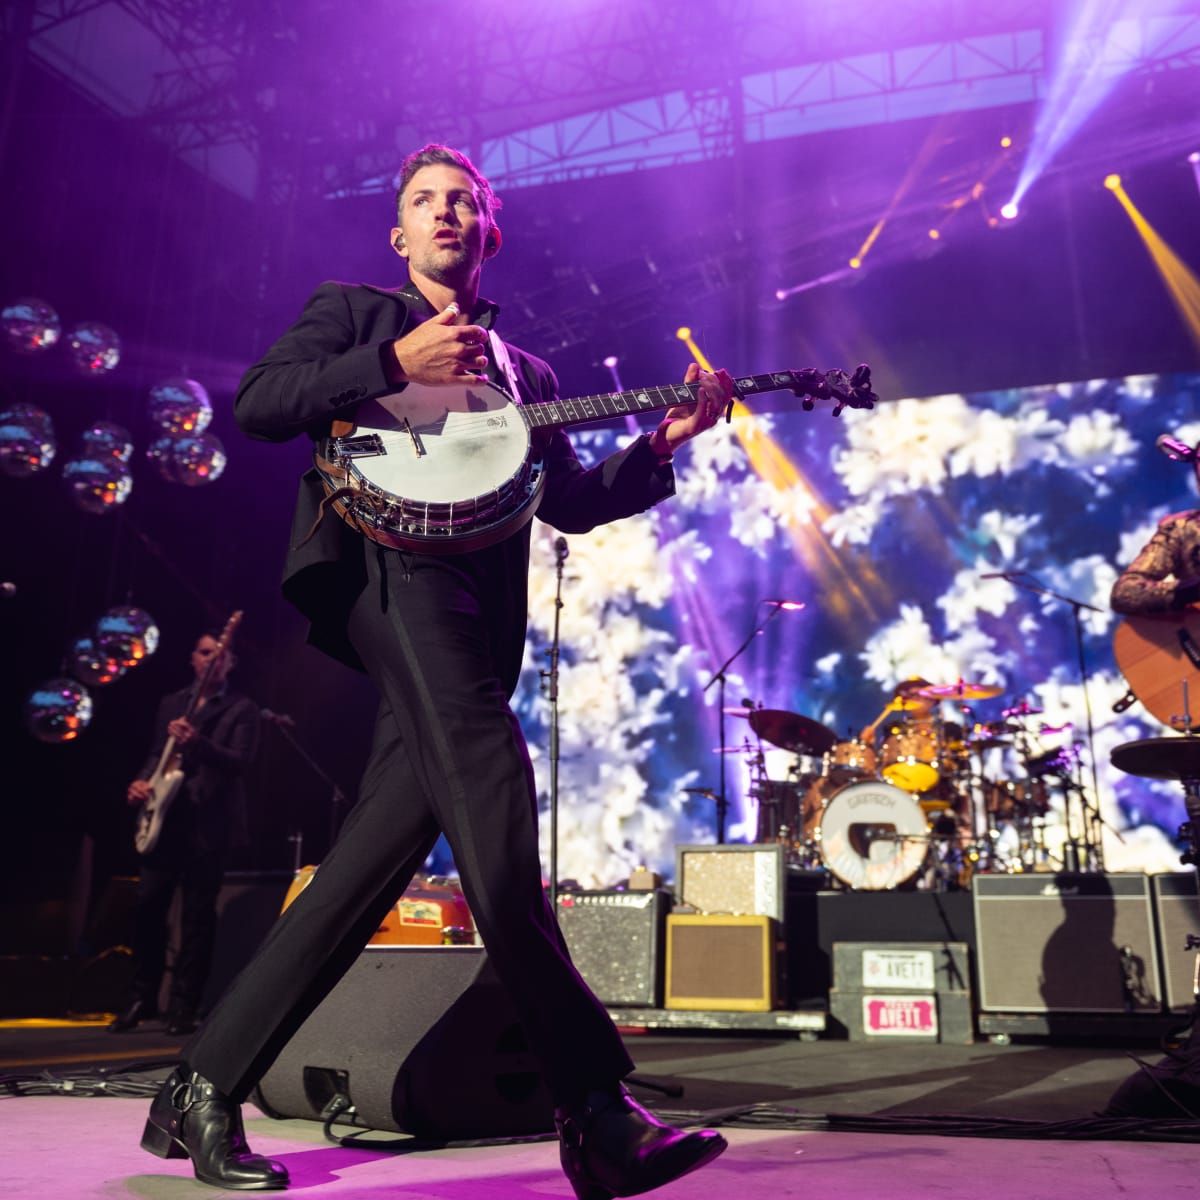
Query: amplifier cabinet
<point x="721" y="963"/>
<point x="616" y="942"/>
<point x="738" y="880"/>
<point x="1177" y="908"/>
<point x="1065" y="943"/>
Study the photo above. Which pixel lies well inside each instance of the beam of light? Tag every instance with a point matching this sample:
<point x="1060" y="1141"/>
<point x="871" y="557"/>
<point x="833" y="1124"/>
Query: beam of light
<point x="848" y="594"/>
<point x="1194" y="159"/>
<point x="933" y="142"/>
<point x="1181" y="282"/>
<point x="1095" y="56"/>
<point x="809" y="284"/>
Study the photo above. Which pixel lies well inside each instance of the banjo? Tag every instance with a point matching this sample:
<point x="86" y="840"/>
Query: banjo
<point x="442" y="470"/>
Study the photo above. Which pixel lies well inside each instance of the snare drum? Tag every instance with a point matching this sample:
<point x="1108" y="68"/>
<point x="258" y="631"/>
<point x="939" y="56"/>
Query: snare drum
<point x="848" y="761"/>
<point x="873" y="835"/>
<point x="910" y="756"/>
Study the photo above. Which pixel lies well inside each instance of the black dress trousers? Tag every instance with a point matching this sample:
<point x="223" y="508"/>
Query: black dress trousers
<point x="448" y="755"/>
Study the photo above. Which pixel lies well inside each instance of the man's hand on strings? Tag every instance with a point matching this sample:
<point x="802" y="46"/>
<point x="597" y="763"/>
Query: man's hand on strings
<point x="683" y="422"/>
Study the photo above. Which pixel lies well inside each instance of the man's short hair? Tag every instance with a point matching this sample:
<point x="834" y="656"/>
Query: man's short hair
<point x="434" y="154"/>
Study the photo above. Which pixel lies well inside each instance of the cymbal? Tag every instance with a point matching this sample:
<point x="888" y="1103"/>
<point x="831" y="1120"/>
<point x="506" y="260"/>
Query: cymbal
<point x="962" y="690"/>
<point x="1022" y="708"/>
<point x="1175" y="757"/>
<point x="791" y="731"/>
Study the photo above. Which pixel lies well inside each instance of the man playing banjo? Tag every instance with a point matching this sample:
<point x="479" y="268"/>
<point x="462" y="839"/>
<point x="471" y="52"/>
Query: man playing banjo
<point x="439" y="627"/>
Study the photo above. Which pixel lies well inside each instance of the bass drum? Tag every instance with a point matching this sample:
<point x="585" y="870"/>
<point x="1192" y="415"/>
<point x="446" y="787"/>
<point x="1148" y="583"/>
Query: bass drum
<point x="873" y="835"/>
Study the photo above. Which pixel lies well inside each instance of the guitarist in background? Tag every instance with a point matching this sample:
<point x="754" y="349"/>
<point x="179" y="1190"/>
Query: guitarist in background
<point x="1165" y="575"/>
<point x="206" y="819"/>
<point x="442" y="637"/>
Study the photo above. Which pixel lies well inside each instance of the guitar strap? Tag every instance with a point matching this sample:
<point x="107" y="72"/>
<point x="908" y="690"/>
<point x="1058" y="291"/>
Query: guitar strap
<point x="502" y="360"/>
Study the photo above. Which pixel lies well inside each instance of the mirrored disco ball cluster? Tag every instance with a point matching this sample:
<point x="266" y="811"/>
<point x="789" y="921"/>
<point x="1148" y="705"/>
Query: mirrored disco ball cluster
<point x="60" y="709"/>
<point x="99" y="477"/>
<point x="184" y="453"/>
<point x="31" y="326"/>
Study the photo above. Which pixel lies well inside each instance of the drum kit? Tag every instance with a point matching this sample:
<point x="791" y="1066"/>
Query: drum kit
<point x="918" y="798"/>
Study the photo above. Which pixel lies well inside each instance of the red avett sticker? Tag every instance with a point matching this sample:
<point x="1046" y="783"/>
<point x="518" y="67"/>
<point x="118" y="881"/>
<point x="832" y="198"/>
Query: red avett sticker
<point x="900" y="1016"/>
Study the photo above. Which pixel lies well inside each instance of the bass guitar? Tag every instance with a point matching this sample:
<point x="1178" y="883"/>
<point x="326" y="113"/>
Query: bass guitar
<point x="448" y="469"/>
<point x="168" y="774"/>
<point x="1159" y="656"/>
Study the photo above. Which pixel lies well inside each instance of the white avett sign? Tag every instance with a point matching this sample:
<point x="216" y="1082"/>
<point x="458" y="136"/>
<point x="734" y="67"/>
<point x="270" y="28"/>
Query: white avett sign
<point x="911" y="969"/>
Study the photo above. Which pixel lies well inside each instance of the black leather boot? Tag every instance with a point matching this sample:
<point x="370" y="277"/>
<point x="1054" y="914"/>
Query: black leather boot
<point x="610" y="1145"/>
<point x="131" y="1016"/>
<point x="191" y="1119"/>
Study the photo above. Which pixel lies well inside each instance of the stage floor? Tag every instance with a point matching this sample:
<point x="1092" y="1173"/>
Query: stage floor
<point x="61" y="1146"/>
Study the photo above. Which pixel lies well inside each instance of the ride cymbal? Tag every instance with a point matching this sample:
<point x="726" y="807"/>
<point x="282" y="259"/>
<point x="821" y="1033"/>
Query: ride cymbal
<point x="791" y="731"/>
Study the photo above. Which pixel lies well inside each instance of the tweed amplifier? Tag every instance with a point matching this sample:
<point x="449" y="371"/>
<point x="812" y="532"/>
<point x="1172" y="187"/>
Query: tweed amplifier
<point x="721" y="963"/>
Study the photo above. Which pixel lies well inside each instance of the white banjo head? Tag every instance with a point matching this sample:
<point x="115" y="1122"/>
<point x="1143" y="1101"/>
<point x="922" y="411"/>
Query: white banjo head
<point x="442" y="444"/>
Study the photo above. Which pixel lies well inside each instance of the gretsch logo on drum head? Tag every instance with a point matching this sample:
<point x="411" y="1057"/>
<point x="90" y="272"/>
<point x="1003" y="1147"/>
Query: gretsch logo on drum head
<point x="871" y="797"/>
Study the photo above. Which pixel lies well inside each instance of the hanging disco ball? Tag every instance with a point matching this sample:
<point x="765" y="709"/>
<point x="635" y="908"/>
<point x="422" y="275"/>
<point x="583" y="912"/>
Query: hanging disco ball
<point x="199" y="460"/>
<point x="126" y="634"/>
<point x="58" y="710"/>
<point x="180" y="406"/>
<point x="94" y="348"/>
<point x="30" y="325"/>
<point x="98" y="485"/>
<point x="107" y="439"/>
<point x="192" y="461"/>
<point x="89" y="665"/>
<point x="27" y="443"/>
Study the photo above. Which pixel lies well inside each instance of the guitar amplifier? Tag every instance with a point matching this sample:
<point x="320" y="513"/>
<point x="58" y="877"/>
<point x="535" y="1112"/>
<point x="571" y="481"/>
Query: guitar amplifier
<point x="616" y="942"/>
<point x="743" y="880"/>
<point x="1177" y="908"/>
<point x="1065" y="943"/>
<point x="721" y="963"/>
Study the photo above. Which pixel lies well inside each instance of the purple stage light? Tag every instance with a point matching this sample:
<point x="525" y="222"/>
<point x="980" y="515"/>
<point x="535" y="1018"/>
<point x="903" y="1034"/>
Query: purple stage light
<point x="1010" y="211"/>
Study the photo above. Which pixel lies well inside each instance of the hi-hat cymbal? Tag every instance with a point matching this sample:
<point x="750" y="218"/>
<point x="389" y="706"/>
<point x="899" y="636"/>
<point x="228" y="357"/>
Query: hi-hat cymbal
<point x="1022" y="708"/>
<point x="962" y="690"/>
<point x="791" y="731"/>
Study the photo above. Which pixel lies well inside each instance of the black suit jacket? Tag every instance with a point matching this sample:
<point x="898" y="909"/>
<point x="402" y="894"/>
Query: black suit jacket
<point x="332" y="358"/>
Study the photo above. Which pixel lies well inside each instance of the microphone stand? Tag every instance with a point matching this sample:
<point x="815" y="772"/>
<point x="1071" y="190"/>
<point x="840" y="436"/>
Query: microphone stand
<point x="1093" y="841"/>
<point x="719" y="678"/>
<point x="550" y="687"/>
<point x="285" y="725"/>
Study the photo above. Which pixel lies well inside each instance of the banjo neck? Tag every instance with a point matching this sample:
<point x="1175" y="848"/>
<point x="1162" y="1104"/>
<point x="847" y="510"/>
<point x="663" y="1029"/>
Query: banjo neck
<point x="853" y="391"/>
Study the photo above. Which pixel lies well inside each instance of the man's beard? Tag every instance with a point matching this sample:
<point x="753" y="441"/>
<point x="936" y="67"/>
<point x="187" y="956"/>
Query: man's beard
<point x="449" y="270"/>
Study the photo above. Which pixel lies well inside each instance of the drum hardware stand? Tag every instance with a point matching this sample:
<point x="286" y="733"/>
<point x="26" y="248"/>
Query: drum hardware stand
<point x="550" y="689"/>
<point x="285" y="724"/>
<point x="719" y="678"/>
<point x="1092" y="845"/>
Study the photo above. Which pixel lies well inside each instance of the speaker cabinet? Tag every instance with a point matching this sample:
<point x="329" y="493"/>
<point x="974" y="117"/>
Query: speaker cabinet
<point x="423" y="1040"/>
<point x="1065" y="943"/>
<point x="616" y="942"/>
<point x="721" y="963"/>
<point x="738" y="880"/>
<point x="1177" y="907"/>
